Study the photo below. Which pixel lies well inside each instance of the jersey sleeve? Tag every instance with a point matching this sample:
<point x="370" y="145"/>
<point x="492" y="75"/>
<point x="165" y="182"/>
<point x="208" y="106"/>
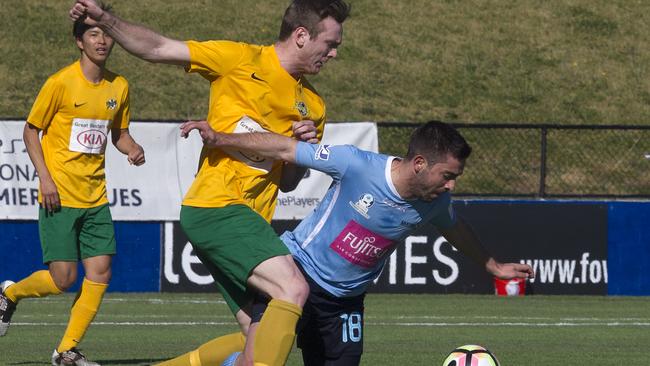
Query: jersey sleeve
<point x="212" y="59"/>
<point x="333" y="160"/>
<point x="47" y="104"/>
<point x="123" y="116"/>
<point x="445" y="216"/>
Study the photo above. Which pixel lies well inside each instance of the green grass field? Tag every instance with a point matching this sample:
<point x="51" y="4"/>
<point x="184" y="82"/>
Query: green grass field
<point x="140" y="329"/>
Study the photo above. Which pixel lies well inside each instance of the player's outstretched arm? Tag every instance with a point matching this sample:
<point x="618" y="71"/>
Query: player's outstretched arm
<point x="268" y="144"/>
<point x="136" y="39"/>
<point x="461" y="236"/>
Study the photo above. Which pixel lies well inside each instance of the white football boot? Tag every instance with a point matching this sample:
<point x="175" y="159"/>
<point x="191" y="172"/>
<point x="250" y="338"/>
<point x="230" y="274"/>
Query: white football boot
<point x="7" y="308"/>
<point x="71" y="357"/>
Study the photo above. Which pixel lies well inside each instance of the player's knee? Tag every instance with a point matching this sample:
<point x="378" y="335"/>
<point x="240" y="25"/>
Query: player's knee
<point x="303" y="292"/>
<point x="98" y="271"/>
<point x="64" y="281"/>
<point x="64" y="274"/>
<point x="100" y="277"/>
<point x="296" y="289"/>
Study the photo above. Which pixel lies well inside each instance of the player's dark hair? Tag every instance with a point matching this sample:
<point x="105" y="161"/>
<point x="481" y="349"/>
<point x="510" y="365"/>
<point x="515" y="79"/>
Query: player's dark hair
<point x="435" y="139"/>
<point x="309" y="13"/>
<point x="79" y="27"/>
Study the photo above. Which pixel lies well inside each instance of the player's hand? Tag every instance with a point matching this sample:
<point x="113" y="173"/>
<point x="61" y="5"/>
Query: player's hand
<point x="208" y="135"/>
<point x="50" y="195"/>
<point x="88" y="9"/>
<point x="508" y="271"/>
<point x="305" y="131"/>
<point x="136" y="156"/>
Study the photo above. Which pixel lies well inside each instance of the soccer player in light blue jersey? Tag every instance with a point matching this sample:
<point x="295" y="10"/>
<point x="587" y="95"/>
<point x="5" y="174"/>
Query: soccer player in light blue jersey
<point x="374" y="202"/>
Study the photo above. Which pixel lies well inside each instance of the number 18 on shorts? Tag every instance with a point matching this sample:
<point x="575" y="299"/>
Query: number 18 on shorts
<point x="331" y="327"/>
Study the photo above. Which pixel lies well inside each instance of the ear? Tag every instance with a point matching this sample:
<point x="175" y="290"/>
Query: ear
<point x="419" y="163"/>
<point x="80" y="43"/>
<point x="301" y="35"/>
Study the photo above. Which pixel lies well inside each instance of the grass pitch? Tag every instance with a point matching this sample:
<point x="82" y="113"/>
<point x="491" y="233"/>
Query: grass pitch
<point x="141" y="329"/>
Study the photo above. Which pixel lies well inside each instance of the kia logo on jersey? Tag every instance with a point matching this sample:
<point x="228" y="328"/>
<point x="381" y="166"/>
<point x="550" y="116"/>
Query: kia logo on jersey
<point x="92" y="139"/>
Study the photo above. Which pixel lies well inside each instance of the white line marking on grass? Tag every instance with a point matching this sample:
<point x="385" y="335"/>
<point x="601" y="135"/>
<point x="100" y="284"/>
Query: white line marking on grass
<point x="150" y="316"/>
<point x="67" y="300"/>
<point x="26" y="324"/>
<point x="511" y="324"/>
<point x="107" y="315"/>
<point x="447" y="324"/>
<point x="166" y="301"/>
<point x="568" y="319"/>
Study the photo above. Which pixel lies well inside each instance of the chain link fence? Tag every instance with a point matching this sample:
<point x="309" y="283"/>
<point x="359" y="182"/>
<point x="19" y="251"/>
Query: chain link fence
<point x="557" y="161"/>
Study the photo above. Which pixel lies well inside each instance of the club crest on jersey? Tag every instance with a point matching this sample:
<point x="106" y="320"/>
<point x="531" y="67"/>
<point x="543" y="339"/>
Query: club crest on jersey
<point x="302" y="108"/>
<point x="363" y="204"/>
<point x="111" y="103"/>
<point x="323" y="153"/>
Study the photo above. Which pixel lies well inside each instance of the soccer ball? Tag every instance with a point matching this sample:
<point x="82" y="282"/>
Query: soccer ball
<point x="471" y="355"/>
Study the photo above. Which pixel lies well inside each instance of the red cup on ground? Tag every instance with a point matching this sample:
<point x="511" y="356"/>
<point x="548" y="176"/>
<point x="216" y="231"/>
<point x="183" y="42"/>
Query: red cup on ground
<point x="513" y="287"/>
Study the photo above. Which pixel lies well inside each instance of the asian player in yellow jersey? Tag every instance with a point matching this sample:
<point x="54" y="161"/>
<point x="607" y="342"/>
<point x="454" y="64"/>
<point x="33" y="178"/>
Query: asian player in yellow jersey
<point x="76" y="111"/>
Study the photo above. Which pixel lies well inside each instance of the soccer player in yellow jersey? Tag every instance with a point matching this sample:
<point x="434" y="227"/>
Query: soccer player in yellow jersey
<point x="74" y="111"/>
<point x="225" y="214"/>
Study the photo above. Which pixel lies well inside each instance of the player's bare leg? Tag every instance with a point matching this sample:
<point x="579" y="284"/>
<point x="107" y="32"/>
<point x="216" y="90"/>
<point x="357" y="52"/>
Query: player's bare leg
<point x="282" y="281"/>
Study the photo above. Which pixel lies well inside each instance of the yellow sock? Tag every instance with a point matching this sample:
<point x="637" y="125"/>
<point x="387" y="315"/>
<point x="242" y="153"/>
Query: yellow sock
<point x="82" y="313"/>
<point x="276" y="333"/>
<point x="213" y="352"/>
<point x="38" y="284"/>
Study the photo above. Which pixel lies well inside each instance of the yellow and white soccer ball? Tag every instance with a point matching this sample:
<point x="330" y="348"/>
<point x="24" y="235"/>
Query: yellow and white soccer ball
<point x="471" y="355"/>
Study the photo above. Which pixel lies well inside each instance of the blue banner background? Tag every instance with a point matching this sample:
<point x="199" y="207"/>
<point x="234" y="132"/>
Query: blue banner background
<point x="136" y="268"/>
<point x="629" y="248"/>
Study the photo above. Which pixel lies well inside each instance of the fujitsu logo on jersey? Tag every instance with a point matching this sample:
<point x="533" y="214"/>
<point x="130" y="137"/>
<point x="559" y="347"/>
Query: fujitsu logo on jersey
<point x="360" y="246"/>
<point x="363" y="245"/>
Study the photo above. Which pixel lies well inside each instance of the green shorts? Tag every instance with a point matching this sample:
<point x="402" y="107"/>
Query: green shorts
<point x="72" y="234"/>
<point x="231" y="241"/>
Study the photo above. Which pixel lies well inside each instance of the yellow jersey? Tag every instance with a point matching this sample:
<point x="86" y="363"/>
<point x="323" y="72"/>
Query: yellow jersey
<point x="249" y="91"/>
<point x="76" y="116"/>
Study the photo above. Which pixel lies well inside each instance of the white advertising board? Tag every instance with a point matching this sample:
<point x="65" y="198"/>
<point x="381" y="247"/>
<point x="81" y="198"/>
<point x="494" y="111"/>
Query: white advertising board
<point x="153" y="191"/>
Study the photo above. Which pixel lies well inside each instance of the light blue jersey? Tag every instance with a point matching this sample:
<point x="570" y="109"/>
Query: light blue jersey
<point x="345" y="242"/>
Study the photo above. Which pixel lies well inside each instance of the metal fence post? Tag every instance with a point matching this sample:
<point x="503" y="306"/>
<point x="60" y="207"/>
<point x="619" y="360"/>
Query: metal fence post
<point x="542" y="163"/>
